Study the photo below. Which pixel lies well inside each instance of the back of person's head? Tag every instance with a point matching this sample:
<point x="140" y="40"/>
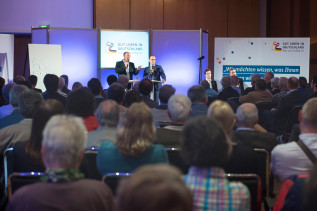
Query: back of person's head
<point x="205" y="84"/>
<point x="136" y="86"/>
<point x="145" y="87"/>
<point x="116" y="92"/>
<point x="283" y="83"/>
<point x="247" y="115"/>
<point x="123" y="80"/>
<point x="15" y="93"/>
<point x="29" y="101"/>
<point x="80" y="102"/>
<point x="131" y="97"/>
<point x="234" y="80"/>
<point x="293" y="83"/>
<point x="136" y="132"/>
<point x="25" y="83"/>
<point x="18" y="79"/>
<point x="179" y="108"/>
<point x="111" y="79"/>
<point x="95" y="86"/>
<point x="61" y="83"/>
<point x="275" y="82"/>
<point x="64" y="141"/>
<point x="42" y="115"/>
<point x="226" y="81"/>
<point x="108" y="113"/>
<point x="33" y="79"/>
<point x="6" y="91"/>
<point x="51" y="82"/>
<point x="197" y="94"/>
<point x="268" y="76"/>
<point x="254" y="78"/>
<point x="165" y="92"/>
<point x="302" y="82"/>
<point x="205" y="143"/>
<point x="76" y="85"/>
<point x="260" y="84"/>
<point x="222" y="112"/>
<point x="66" y="79"/>
<point x="309" y="113"/>
<point x="154" y="187"/>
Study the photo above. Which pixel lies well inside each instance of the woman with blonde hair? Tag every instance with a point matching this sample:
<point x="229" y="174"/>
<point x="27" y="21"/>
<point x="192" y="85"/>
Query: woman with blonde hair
<point x="133" y="146"/>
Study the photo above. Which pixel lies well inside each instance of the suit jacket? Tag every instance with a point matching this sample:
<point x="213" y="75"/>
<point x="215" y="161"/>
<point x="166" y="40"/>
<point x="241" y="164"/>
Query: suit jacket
<point x="158" y="73"/>
<point x="241" y="85"/>
<point x="285" y="106"/>
<point x="120" y="69"/>
<point x="255" y="139"/>
<point x="227" y="93"/>
<point x="256" y="96"/>
<point x="213" y="85"/>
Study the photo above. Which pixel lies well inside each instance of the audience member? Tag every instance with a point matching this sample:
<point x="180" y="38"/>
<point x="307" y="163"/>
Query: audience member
<point x="268" y="76"/>
<point x="65" y="88"/>
<point x="302" y="86"/>
<point x="61" y="83"/>
<point x="27" y="154"/>
<point x="81" y="103"/>
<point x="51" y="85"/>
<point x="145" y="89"/>
<point x="247" y="118"/>
<point x="260" y="94"/>
<point x="7" y="108"/>
<point x="289" y="159"/>
<point x="108" y="116"/>
<point x="116" y="92"/>
<point x="133" y="146"/>
<point x="212" y="83"/>
<point x="206" y="149"/>
<point x="64" y="141"/>
<point x="233" y="72"/>
<point x="227" y="90"/>
<point x="275" y="84"/>
<point x="15" y="116"/>
<point x="96" y="89"/>
<point x="131" y="97"/>
<point x="76" y="85"/>
<point x="254" y="78"/>
<point x="29" y="101"/>
<point x="209" y="91"/>
<point x="155" y="188"/>
<point x="18" y="78"/>
<point x="160" y="112"/>
<point x="179" y="110"/>
<point x="235" y="83"/>
<point x="124" y="81"/>
<point x="111" y="79"/>
<point x="2" y="83"/>
<point x="197" y="95"/>
<point x="33" y="81"/>
<point x="314" y="87"/>
<point x="283" y="91"/>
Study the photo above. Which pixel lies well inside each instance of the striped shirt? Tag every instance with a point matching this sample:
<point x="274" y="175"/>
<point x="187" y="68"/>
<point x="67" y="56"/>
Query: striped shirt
<point x="212" y="191"/>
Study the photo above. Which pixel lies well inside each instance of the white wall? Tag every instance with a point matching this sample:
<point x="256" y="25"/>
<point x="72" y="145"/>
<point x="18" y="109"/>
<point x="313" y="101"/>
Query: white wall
<point x="6" y="56"/>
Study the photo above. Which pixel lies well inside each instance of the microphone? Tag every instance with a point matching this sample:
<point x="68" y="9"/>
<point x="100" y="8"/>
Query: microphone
<point x="200" y="58"/>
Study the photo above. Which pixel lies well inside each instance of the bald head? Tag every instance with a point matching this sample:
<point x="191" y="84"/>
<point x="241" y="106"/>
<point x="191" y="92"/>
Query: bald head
<point x="247" y="115"/>
<point x="108" y="113"/>
<point x="283" y="83"/>
<point x="309" y="114"/>
<point x="292" y="83"/>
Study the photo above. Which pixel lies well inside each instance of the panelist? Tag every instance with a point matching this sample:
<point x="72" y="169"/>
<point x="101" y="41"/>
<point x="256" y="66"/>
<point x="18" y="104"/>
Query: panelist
<point x="125" y="67"/>
<point x="155" y="72"/>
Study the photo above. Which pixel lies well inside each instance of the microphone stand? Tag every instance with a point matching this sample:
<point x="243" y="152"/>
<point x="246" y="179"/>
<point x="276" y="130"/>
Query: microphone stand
<point x="200" y="67"/>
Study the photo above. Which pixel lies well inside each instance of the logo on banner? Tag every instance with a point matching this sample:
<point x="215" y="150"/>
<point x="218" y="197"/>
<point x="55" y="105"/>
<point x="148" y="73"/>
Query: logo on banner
<point x="110" y="49"/>
<point x="276" y="46"/>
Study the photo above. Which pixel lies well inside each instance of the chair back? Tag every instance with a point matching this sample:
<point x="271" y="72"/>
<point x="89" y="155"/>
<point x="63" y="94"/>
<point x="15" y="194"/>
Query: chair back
<point x="18" y="180"/>
<point x="262" y="106"/>
<point x="162" y="124"/>
<point x="89" y="164"/>
<point x="176" y="159"/>
<point x="292" y="119"/>
<point x="7" y="166"/>
<point x="253" y="182"/>
<point x="264" y="171"/>
<point x="113" y="179"/>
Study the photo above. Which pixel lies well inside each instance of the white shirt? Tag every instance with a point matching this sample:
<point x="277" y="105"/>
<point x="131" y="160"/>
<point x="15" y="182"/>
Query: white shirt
<point x="289" y="159"/>
<point x="127" y="69"/>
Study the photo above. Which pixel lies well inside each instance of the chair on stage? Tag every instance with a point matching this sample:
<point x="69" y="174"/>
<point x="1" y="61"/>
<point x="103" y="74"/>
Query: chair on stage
<point x="89" y="164"/>
<point x="18" y="180"/>
<point x="175" y="158"/>
<point x="113" y="179"/>
<point x="253" y="182"/>
<point x="292" y="119"/>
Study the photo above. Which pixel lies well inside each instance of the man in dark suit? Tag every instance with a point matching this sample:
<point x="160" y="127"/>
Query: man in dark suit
<point x="212" y="83"/>
<point x="125" y="67"/>
<point x="155" y="72"/>
<point x="247" y="118"/>
<point x="232" y="72"/>
<point x="227" y="90"/>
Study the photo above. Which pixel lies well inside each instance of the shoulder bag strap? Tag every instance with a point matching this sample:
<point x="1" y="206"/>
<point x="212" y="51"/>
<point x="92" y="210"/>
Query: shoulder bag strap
<point x="307" y="151"/>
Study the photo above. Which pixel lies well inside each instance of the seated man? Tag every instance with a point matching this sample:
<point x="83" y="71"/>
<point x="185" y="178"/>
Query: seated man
<point x="197" y="95"/>
<point x="206" y="150"/>
<point x="247" y="118"/>
<point x="145" y="89"/>
<point x="64" y="141"/>
<point x="227" y="91"/>
<point x="289" y="159"/>
<point x="212" y="83"/>
<point x="179" y="110"/>
<point x="107" y="116"/>
<point x="96" y="89"/>
<point x="258" y="95"/>
<point x="51" y="85"/>
<point x="275" y="84"/>
<point x="254" y="78"/>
